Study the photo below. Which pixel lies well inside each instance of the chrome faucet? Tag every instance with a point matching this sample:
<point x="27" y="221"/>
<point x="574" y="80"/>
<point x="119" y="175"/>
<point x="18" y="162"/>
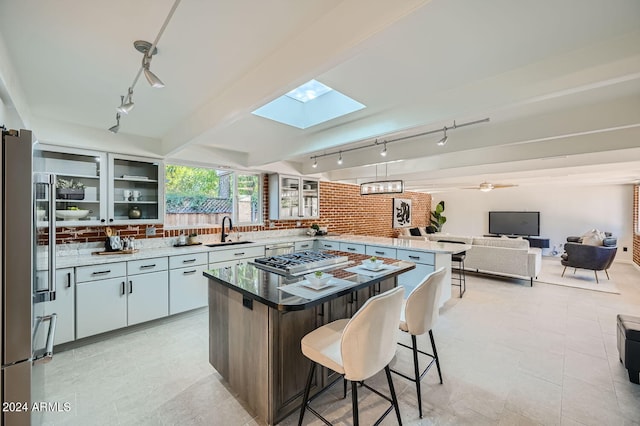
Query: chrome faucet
<point x="223" y="237"/>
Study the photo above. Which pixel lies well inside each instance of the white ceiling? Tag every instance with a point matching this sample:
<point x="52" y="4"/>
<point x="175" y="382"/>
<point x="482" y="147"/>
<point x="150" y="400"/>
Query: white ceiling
<point x="560" y="82"/>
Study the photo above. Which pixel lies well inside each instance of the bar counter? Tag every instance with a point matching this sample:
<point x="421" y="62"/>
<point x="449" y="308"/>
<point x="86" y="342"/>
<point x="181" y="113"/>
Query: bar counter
<point x="255" y="328"/>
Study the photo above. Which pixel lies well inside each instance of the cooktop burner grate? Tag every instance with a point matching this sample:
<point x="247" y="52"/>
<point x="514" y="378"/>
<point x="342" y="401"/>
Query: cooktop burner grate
<point x="300" y="262"/>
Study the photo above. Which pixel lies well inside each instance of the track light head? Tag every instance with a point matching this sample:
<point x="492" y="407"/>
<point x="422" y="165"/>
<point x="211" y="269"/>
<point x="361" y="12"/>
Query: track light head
<point x="384" y="150"/>
<point x="443" y="141"/>
<point x="126" y="107"/>
<point x="315" y="163"/>
<point x="153" y="79"/>
<point x="114" y="129"/>
<point x="340" y="158"/>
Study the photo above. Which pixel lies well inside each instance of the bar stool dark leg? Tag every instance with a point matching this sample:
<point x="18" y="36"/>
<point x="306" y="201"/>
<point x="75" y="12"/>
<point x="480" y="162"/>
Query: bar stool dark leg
<point x="307" y="390"/>
<point x="354" y="402"/>
<point x="435" y="354"/>
<point x="392" y="389"/>
<point x="416" y="371"/>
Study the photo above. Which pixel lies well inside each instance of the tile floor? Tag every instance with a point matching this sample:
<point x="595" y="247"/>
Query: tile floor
<point x="511" y="355"/>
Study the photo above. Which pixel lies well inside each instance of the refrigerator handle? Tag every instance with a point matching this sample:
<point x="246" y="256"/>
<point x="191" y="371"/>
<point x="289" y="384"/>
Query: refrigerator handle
<point x="52" y="233"/>
<point x="45" y="355"/>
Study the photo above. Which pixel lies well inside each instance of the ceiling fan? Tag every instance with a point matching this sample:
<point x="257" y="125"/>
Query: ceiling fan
<point x="486" y="186"/>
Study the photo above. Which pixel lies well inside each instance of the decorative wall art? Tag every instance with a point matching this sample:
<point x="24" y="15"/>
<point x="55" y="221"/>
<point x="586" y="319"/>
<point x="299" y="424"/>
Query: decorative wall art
<point x="401" y="212"/>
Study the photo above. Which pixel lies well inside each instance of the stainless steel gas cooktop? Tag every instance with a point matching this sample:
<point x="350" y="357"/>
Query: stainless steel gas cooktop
<point x="299" y="263"/>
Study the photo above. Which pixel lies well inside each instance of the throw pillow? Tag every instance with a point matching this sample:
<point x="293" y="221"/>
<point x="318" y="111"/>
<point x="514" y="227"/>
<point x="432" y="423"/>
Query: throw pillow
<point x="415" y="232"/>
<point x="593" y="238"/>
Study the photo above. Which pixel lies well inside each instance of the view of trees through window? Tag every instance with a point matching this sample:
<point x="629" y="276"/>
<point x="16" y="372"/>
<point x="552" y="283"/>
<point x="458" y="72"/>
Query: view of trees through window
<point x="198" y="196"/>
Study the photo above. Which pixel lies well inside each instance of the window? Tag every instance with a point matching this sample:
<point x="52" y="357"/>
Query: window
<point x="199" y="196"/>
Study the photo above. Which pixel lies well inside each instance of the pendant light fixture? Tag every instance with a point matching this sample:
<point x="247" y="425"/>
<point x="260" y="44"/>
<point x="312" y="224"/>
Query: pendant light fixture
<point x="378" y="187"/>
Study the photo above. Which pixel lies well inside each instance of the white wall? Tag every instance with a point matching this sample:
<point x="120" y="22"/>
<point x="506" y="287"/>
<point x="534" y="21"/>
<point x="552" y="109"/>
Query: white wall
<point x="563" y="211"/>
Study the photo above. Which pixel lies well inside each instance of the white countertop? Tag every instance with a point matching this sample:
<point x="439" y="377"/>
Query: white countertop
<point x="83" y="257"/>
<point x="399" y="243"/>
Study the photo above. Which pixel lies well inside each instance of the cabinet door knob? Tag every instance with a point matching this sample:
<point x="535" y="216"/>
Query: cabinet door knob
<point x="110" y="220"/>
<point x="102" y="220"/>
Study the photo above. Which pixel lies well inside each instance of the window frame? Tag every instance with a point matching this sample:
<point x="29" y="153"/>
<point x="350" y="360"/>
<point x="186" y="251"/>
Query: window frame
<point x="235" y="195"/>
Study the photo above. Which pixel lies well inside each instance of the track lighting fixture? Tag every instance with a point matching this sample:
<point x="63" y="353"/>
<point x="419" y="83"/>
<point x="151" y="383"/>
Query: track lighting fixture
<point x="148" y="50"/>
<point x="125" y="108"/>
<point x="443" y="141"/>
<point x="383" y="152"/>
<point x="116" y="127"/>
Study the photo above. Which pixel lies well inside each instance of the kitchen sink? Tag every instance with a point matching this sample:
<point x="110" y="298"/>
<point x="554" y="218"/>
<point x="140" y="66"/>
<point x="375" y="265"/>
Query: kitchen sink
<point x="229" y="243"/>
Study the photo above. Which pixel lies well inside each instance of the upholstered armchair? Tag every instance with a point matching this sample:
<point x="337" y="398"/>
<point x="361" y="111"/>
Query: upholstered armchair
<point x="585" y="256"/>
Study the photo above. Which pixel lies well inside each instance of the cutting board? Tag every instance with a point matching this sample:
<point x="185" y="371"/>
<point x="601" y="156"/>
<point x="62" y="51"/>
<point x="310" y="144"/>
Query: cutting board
<point x="115" y="252"/>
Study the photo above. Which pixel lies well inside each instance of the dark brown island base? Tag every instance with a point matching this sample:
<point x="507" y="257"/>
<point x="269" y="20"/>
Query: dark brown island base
<point x="255" y="327"/>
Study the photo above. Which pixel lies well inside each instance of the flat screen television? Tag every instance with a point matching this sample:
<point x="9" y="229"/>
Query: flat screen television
<point x="514" y="223"/>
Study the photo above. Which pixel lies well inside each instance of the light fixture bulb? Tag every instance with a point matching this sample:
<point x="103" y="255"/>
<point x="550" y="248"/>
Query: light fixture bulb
<point x="340" y="159"/>
<point x="315" y="163"/>
<point x="384" y="150"/>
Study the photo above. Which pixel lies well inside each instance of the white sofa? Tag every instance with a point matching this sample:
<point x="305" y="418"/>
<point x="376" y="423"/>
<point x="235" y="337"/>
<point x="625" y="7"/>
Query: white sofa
<point x="503" y="256"/>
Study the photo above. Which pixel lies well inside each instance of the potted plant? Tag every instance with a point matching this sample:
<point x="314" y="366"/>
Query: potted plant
<point x="69" y="189"/>
<point x="192" y="238"/>
<point x="437" y="218"/>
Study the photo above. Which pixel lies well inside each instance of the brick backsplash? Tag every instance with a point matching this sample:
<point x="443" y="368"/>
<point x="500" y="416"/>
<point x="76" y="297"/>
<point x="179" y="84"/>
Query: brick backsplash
<point x="342" y="210"/>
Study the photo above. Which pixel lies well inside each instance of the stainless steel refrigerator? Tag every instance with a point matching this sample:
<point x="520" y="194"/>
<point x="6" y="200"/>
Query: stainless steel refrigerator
<point x="26" y="333"/>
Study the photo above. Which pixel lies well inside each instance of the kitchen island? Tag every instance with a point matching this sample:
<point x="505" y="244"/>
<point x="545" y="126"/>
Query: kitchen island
<point x="255" y="327"/>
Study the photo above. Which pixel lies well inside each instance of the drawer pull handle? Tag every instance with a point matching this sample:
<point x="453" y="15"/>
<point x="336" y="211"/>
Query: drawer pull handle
<point x="379" y="252"/>
<point x="148" y="266"/>
<point x="188" y="260"/>
<point x="239" y="254"/>
<point x="304" y="245"/>
<point x="101" y="272"/>
<point x="351" y="248"/>
<point x="414" y="257"/>
<point x="189" y="272"/>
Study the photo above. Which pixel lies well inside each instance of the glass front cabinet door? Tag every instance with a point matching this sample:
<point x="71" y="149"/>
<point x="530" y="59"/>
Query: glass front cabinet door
<point x="293" y="197"/>
<point x="136" y="189"/>
<point x="81" y="188"/>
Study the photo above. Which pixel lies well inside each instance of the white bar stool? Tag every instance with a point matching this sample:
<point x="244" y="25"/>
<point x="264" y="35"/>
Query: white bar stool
<point x="357" y="348"/>
<point x="419" y="315"/>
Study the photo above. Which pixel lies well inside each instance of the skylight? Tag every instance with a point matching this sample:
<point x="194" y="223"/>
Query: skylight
<point x="308" y="105"/>
<point x="309" y="91"/>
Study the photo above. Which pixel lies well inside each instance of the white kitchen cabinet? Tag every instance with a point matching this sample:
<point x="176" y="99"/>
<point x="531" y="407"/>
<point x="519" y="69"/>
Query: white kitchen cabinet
<point x="381" y="251"/>
<point x="328" y="245"/>
<point x="187" y="285"/>
<point x="233" y="254"/>
<point x="293" y="197"/>
<point x="147" y="297"/>
<point x="303" y="245"/>
<point x="136" y="182"/>
<point x="352" y="248"/>
<point x="107" y="180"/>
<point x="63" y="305"/>
<point x="425" y="264"/>
<point x="75" y="168"/>
<point x="101" y="306"/>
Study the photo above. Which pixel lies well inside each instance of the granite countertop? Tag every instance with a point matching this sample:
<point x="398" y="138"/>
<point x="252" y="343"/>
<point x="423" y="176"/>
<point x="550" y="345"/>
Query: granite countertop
<point x="399" y="243"/>
<point x="262" y="286"/>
